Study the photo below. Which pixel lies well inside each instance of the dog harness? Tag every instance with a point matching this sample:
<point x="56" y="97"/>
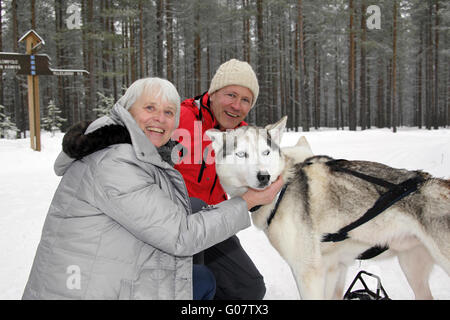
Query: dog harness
<point x="395" y="193"/>
<point x="274" y="210"/>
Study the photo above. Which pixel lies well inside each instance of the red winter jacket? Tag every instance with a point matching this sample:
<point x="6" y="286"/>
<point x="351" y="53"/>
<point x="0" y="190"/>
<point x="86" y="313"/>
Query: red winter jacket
<point x="198" y="166"/>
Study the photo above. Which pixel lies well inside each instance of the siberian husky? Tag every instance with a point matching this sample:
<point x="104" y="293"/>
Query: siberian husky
<point x="322" y="197"/>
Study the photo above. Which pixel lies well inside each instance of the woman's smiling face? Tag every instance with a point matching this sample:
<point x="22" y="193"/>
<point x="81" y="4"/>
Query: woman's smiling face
<point x="155" y="116"/>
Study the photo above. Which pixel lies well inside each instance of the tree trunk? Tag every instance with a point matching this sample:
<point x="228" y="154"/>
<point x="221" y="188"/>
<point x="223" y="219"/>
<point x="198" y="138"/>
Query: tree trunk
<point x="428" y="69"/>
<point x="316" y="87"/>
<point x="368" y="96"/>
<point x="336" y="86"/>
<point x="125" y="58"/>
<point x="1" y="50"/>
<point x="18" y="101"/>
<point x="419" y="77"/>
<point x="133" y="65"/>
<point x="362" y="79"/>
<point x="169" y="37"/>
<point x="159" y="39"/>
<point x="91" y="100"/>
<point x="113" y="61"/>
<point x="33" y="14"/>
<point x="106" y="48"/>
<point x="142" y="71"/>
<point x="436" y="112"/>
<point x="297" y="93"/>
<point x="447" y="95"/>
<point x="388" y="95"/>
<point x="263" y="109"/>
<point x="246" y="31"/>
<point x="197" y="54"/>
<point x="304" y="83"/>
<point x="394" y="69"/>
<point x="380" y="96"/>
<point x="351" y="71"/>
<point x="283" y="100"/>
<point x="325" y="105"/>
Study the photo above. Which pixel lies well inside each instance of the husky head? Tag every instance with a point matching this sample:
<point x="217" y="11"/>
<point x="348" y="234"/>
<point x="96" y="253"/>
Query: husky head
<point x="248" y="156"/>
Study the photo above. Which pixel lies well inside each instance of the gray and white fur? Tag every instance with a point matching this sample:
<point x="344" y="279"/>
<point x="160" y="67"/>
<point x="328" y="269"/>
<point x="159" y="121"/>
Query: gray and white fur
<point x="320" y="200"/>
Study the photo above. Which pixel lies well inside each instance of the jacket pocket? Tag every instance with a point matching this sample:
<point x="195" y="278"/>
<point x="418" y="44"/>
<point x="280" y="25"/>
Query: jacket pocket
<point x="154" y="283"/>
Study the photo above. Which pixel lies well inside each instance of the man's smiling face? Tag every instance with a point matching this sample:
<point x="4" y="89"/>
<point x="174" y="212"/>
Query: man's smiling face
<point x="230" y="105"/>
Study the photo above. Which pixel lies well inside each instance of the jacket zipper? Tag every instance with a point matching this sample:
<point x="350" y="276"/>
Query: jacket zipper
<point x="213" y="186"/>
<point x="202" y="168"/>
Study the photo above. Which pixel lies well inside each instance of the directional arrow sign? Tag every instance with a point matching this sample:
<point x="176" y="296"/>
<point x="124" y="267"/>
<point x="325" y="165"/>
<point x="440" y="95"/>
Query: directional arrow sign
<point x="34" y="65"/>
<point x="68" y="72"/>
<point x="37" y="65"/>
<point x="26" y="64"/>
<point x="13" y="61"/>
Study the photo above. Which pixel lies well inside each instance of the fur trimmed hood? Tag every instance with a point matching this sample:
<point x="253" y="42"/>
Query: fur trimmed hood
<point x="87" y="137"/>
<point x="76" y="144"/>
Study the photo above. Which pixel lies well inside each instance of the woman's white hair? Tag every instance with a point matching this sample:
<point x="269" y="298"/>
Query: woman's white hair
<point x="160" y="87"/>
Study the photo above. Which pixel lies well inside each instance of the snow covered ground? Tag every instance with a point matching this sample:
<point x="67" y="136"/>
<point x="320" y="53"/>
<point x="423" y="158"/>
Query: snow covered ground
<point x="27" y="184"/>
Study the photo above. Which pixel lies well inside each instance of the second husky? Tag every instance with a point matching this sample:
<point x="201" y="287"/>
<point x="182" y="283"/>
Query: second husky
<point x="321" y="198"/>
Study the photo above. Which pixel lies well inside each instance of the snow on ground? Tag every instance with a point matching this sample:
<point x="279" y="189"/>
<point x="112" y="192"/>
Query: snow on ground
<point x="27" y="184"/>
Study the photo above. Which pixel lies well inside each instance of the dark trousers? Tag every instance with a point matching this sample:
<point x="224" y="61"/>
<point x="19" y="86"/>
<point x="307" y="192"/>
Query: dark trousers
<point x="237" y="278"/>
<point x="203" y="283"/>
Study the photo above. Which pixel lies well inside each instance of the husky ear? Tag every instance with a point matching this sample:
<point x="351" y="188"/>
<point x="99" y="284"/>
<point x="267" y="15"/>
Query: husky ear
<point x="276" y="130"/>
<point x="300" y="152"/>
<point x="216" y="137"/>
<point x="281" y="122"/>
<point x="303" y="142"/>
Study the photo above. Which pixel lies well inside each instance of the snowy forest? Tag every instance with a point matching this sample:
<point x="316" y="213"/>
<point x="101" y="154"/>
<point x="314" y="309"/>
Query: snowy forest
<point x="353" y="64"/>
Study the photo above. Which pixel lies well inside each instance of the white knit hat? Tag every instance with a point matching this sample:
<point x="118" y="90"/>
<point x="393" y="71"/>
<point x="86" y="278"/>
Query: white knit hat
<point x="235" y="72"/>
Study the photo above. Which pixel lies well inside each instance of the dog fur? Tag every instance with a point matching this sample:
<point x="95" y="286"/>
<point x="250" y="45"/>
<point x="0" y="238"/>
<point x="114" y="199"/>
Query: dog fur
<point x="320" y="200"/>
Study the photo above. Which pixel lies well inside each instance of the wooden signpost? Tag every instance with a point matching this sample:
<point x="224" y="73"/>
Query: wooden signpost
<point x="33" y="65"/>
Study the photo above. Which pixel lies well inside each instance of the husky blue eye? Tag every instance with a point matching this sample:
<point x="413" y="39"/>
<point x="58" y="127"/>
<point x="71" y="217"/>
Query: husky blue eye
<point x="266" y="153"/>
<point x="242" y="154"/>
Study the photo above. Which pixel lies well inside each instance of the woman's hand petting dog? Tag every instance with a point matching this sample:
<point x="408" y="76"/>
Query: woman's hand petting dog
<point x="255" y="197"/>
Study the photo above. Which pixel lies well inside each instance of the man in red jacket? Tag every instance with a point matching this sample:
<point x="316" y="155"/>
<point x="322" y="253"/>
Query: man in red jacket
<point x="232" y="93"/>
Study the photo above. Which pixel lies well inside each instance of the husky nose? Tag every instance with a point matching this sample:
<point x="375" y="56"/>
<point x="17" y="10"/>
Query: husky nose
<point x="263" y="178"/>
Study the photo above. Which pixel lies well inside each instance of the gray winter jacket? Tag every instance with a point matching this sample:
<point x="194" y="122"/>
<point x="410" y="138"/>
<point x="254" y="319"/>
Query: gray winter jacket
<point x="120" y="225"/>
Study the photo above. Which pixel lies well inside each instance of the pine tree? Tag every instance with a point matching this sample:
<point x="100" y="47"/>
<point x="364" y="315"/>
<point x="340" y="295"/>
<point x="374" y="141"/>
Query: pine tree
<point x="300" y="50"/>
<point x="52" y="122"/>
<point x="105" y="105"/>
<point x="8" y="129"/>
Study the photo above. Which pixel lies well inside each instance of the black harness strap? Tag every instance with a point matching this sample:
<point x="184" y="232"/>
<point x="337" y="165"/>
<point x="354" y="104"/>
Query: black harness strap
<point x="274" y="210"/>
<point x="372" y="252"/>
<point x="334" y="164"/>
<point x="394" y="194"/>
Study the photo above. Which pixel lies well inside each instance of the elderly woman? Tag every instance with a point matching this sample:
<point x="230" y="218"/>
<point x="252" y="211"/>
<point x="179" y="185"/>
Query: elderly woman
<point x="120" y="225"/>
